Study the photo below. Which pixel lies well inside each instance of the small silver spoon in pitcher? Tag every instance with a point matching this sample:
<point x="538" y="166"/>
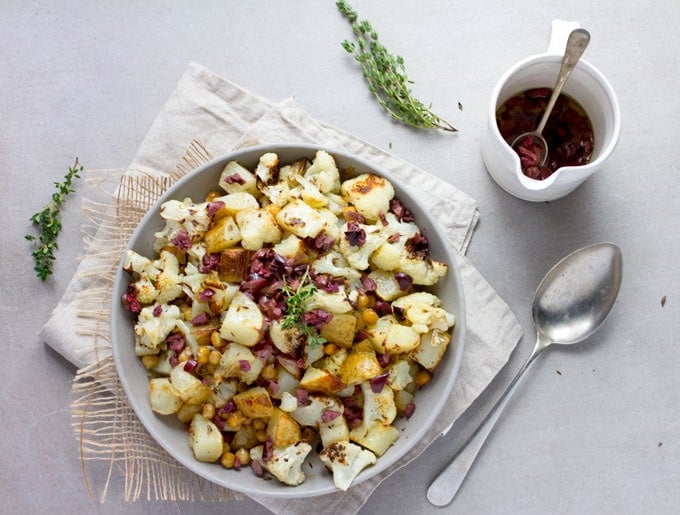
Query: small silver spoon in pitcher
<point x="576" y="44"/>
<point x="571" y="303"/>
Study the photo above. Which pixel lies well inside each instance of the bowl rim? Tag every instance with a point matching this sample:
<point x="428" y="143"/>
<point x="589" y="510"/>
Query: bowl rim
<point x="456" y="345"/>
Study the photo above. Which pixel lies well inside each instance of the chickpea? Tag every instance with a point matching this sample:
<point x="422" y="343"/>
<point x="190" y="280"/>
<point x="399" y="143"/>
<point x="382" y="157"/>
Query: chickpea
<point x="329" y="349"/>
<point x="369" y="316"/>
<point x="216" y="340"/>
<point x="208" y="410"/>
<point x="261" y="435"/>
<point x="423" y="377"/>
<point x="212" y="195"/>
<point x="243" y="456"/>
<point x="269" y="372"/>
<point x="363" y="301"/>
<point x="203" y="354"/>
<point x="150" y="361"/>
<point x="228" y="459"/>
<point x="259" y="424"/>
<point x="184" y="355"/>
<point x="235" y="419"/>
<point x="214" y="357"/>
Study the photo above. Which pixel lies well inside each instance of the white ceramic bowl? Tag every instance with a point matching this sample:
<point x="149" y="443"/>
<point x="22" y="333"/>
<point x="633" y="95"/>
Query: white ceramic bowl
<point x="171" y="434"/>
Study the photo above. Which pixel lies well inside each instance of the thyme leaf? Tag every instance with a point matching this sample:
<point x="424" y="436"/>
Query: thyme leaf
<point x="48" y="222"/>
<point x="295" y="308"/>
<point x="386" y="75"/>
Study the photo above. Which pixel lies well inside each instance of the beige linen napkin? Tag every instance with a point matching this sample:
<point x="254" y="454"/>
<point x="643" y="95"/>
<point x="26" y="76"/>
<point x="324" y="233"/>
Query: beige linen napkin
<point x="225" y="117"/>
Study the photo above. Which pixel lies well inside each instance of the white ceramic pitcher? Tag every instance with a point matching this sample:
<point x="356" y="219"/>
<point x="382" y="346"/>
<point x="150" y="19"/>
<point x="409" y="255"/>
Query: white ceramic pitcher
<point x="586" y="85"/>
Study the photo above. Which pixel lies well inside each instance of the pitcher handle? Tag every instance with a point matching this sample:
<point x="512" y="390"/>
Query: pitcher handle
<point x="559" y="33"/>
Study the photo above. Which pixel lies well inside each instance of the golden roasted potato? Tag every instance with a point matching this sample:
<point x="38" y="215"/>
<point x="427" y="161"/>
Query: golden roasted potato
<point x="234" y="263"/>
<point x="432" y="347"/>
<point x="283" y="429"/>
<point x="222" y="234"/>
<point x="359" y="367"/>
<point x="164" y="399"/>
<point x="254" y="402"/>
<point x="318" y="380"/>
<point x="340" y="330"/>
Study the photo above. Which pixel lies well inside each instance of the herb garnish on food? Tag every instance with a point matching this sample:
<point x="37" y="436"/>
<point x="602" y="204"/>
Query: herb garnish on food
<point x="295" y="300"/>
<point x="49" y="223"/>
<point x="386" y="75"/>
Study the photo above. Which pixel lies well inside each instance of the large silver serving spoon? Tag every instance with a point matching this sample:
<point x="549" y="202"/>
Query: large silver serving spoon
<point x="569" y="305"/>
<point x="576" y="44"/>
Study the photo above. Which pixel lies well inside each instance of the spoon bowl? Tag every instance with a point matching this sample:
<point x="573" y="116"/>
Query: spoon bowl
<point x="570" y="304"/>
<point x="533" y="143"/>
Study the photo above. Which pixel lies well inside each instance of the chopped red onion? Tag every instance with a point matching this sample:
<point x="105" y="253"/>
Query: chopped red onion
<point x="272" y="386"/>
<point x="394" y="238"/>
<point x="384" y="359"/>
<point x="206" y="294"/>
<point x="235" y="178"/>
<point x="227" y="408"/>
<point x="257" y="468"/>
<point x="237" y="463"/>
<point x="219" y="422"/>
<point x="176" y="342"/>
<point x="302" y="397"/>
<point x="214" y="207"/>
<point x="368" y="284"/>
<point x="201" y="319"/>
<point x="328" y="414"/>
<point x="409" y="409"/>
<point x="209" y="262"/>
<point x="405" y="281"/>
<point x="400" y="211"/>
<point x="244" y="365"/>
<point x="383" y="219"/>
<point x="157" y="310"/>
<point x="181" y="240"/>
<point x="378" y="382"/>
<point x="399" y="313"/>
<point x="173" y="360"/>
<point x="382" y="308"/>
<point x="354" y="216"/>
<point x="317" y="317"/>
<point x="131" y="303"/>
<point x="190" y="365"/>
<point x="356" y="236"/>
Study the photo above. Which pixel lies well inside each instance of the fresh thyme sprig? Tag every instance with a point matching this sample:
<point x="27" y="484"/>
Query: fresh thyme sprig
<point x="386" y="75"/>
<point x="49" y="224"/>
<point x="295" y="300"/>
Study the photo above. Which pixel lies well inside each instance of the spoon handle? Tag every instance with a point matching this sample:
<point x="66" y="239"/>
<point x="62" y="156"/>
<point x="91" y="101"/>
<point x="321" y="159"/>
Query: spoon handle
<point x="444" y="488"/>
<point x="576" y="45"/>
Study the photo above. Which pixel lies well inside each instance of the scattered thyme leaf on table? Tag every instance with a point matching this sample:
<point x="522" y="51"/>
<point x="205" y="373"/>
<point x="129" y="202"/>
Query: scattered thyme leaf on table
<point x="48" y="222"/>
<point x="386" y="75"/>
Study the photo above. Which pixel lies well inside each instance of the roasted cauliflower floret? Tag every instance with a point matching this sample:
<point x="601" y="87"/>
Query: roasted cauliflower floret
<point x="422" y="310"/>
<point x="257" y="227"/>
<point x="157" y="281"/>
<point x="185" y="223"/>
<point x="323" y="173"/>
<point x="285" y="464"/>
<point x="346" y="460"/>
<point x="358" y="242"/>
<point x="370" y="194"/>
<point x="154" y="324"/>
<point x="237" y="179"/>
<point x="423" y="271"/>
<point x="301" y="219"/>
